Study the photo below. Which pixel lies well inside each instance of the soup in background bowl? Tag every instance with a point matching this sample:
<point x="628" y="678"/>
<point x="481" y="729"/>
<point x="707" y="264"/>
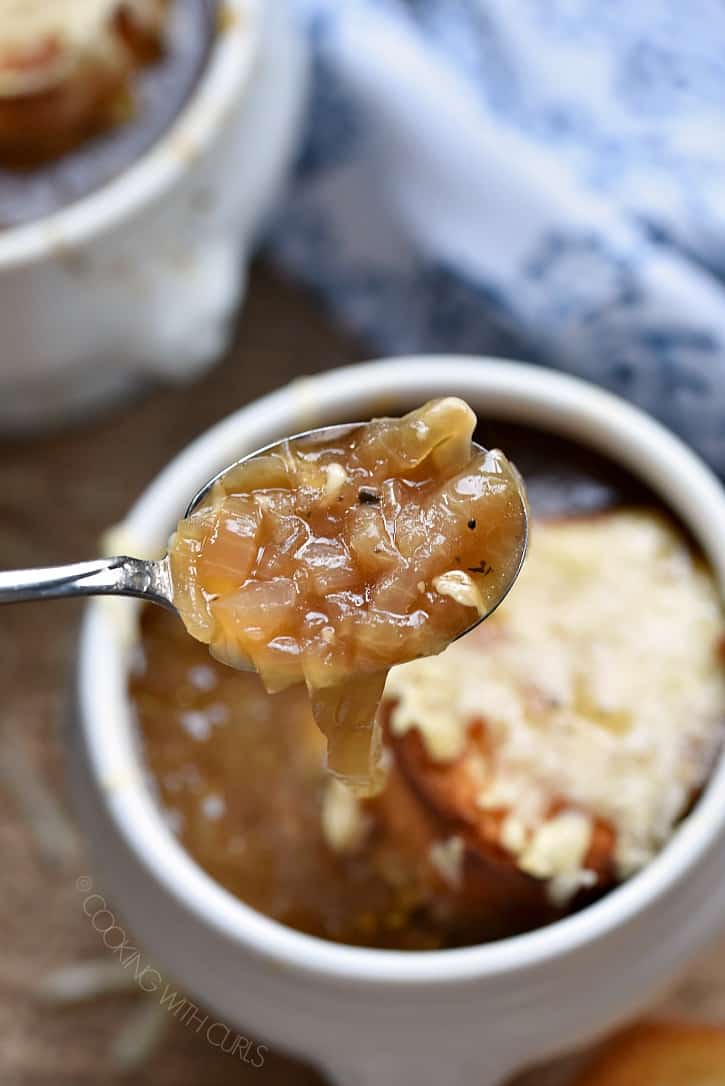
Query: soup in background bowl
<point x="120" y="85"/>
<point x="155" y="217"/>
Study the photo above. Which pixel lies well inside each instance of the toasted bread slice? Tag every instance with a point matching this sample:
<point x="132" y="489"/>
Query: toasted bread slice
<point x="567" y="735"/>
<point x="426" y="803"/>
<point x="655" y="1054"/>
<point x="448" y="792"/>
<point x="478" y="891"/>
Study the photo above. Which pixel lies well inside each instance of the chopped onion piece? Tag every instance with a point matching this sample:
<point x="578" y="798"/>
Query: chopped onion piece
<point x="330" y="563"/>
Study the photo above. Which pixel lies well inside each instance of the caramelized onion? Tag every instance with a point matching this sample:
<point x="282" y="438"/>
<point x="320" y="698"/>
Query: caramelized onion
<point x="331" y="563"/>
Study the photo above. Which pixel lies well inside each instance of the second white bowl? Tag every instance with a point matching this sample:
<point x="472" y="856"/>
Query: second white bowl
<point x="367" y="1016"/>
<point x="141" y="279"/>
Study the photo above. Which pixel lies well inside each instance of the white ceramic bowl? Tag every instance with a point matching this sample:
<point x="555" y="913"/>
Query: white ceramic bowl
<point x="380" y="1017"/>
<point x="141" y="278"/>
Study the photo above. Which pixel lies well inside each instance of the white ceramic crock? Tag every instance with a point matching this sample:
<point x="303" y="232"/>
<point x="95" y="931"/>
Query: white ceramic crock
<point x="420" y="1019"/>
<point x="141" y="278"/>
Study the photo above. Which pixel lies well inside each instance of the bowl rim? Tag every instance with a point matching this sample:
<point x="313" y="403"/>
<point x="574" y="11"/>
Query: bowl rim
<point x="225" y="76"/>
<point x="514" y="391"/>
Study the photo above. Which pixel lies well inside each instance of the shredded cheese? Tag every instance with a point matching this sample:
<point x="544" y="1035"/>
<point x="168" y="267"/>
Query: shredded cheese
<point x="600" y="682"/>
<point x="43" y="41"/>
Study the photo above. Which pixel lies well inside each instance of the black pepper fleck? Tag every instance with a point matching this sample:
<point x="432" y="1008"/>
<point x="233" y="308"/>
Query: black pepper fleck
<point x="472" y="524"/>
<point x="368" y="496"/>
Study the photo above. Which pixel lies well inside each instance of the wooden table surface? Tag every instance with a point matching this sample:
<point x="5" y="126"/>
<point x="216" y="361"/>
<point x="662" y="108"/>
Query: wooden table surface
<point x="58" y="493"/>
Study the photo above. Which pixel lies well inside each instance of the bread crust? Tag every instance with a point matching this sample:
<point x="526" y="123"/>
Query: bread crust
<point x="490" y="898"/>
<point x="427" y="801"/>
<point x="665" y="1054"/>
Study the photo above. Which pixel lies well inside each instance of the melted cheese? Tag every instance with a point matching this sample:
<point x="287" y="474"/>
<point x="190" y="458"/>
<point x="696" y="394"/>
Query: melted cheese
<point x="447" y="858"/>
<point x="42" y="42"/>
<point x="344" y="823"/>
<point x="461" y="587"/>
<point x="600" y="682"/>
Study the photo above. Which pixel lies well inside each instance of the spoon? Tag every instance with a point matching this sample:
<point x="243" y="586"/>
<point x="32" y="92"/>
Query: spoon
<point x="151" y="579"/>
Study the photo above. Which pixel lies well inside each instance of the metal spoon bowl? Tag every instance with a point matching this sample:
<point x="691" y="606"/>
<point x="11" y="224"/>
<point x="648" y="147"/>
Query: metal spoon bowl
<point x="150" y="580"/>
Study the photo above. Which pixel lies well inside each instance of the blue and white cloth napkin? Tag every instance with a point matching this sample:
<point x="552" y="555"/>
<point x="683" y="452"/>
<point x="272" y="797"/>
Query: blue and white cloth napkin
<point x="543" y="179"/>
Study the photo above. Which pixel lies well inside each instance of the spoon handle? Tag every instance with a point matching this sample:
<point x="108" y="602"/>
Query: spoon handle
<point x="104" y="577"/>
